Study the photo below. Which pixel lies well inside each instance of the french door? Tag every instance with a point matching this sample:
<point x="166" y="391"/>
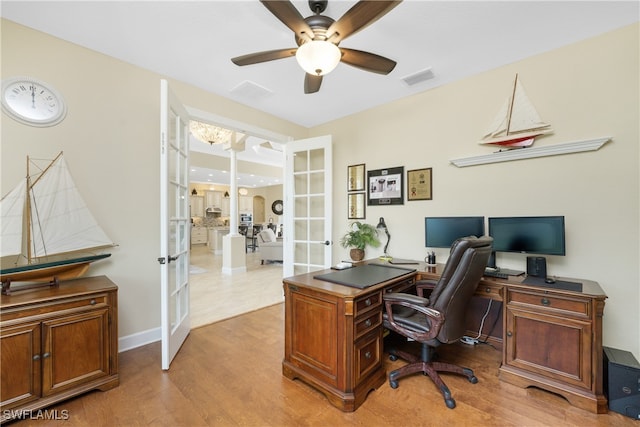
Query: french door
<point x="307" y="205"/>
<point x="174" y="223"/>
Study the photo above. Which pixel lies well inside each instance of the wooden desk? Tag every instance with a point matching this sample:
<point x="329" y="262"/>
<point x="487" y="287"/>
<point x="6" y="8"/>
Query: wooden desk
<point x="553" y="336"/>
<point x="334" y="336"/>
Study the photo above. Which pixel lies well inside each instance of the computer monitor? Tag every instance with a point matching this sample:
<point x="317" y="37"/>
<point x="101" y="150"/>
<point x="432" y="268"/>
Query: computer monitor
<point x="441" y="232"/>
<point x="542" y="235"/>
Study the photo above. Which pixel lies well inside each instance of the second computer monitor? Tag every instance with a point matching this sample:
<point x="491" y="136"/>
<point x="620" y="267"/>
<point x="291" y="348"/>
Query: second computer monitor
<point x="441" y="232"/>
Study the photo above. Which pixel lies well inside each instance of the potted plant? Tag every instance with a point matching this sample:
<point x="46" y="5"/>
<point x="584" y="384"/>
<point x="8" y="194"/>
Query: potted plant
<point x="358" y="238"/>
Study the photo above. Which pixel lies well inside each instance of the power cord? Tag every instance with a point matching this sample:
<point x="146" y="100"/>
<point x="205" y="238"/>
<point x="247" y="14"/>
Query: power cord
<point x="473" y="341"/>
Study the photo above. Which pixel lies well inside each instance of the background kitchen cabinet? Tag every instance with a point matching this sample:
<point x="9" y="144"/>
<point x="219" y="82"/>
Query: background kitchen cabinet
<point x="213" y="199"/>
<point x="197" y="205"/>
<point x="245" y="204"/>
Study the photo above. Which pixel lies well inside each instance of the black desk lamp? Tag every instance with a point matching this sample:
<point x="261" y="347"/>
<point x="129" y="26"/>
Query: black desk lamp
<point x="383" y="225"/>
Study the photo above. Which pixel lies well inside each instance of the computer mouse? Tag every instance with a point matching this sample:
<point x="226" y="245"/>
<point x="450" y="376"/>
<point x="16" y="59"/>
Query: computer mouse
<point x="549" y="280"/>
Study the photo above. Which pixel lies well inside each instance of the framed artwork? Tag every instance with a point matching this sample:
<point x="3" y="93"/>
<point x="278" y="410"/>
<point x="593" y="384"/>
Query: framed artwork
<point x="385" y="186"/>
<point x="356" y="205"/>
<point x="355" y="177"/>
<point x="419" y="184"/>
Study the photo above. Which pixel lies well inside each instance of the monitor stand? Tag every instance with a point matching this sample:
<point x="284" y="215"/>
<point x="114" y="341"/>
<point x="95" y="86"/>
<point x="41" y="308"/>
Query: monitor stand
<point x="491" y="266"/>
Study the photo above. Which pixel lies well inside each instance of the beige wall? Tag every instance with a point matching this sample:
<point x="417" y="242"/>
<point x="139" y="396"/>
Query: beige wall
<point x="110" y="138"/>
<point x="586" y="90"/>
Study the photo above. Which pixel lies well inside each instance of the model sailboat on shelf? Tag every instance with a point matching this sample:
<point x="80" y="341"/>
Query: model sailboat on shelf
<point x="47" y="231"/>
<point x="517" y="124"/>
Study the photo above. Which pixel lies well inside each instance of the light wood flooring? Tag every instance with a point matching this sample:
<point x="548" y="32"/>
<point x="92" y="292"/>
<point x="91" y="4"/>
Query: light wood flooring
<point x="216" y="296"/>
<point x="229" y="374"/>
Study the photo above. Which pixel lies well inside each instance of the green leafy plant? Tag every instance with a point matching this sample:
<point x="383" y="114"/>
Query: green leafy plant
<point x="360" y="236"/>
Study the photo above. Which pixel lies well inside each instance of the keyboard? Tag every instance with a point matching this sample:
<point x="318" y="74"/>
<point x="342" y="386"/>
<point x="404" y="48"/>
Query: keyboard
<point x="496" y="274"/>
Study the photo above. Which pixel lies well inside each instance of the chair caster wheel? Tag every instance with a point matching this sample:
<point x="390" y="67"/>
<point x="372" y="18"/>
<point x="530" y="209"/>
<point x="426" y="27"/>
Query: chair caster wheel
<point x="450" y="403"/>
<point x="473" y="380"/>
<point x="393" y="357"/>
<point x="393" y="384"/>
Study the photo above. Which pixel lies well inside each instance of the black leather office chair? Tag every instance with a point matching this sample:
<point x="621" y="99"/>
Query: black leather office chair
<point x="439" y="319"/>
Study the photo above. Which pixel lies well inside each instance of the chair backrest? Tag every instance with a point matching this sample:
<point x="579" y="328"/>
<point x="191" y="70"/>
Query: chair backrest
<point x="462" y="273"/>
<point x="242" y="229"/>
<point x="266" y="236"/>
<point x="256" y="229"/>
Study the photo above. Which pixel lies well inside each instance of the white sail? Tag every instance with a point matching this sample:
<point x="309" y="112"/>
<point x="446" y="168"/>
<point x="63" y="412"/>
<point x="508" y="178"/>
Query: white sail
<point x="61" y="221"/>
<point x="517" y="115"/>
<point x="12" y="215"/>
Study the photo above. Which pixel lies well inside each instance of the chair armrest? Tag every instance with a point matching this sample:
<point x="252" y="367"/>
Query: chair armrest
<point x="434" y="319"/>
<point x="425" y="284"/>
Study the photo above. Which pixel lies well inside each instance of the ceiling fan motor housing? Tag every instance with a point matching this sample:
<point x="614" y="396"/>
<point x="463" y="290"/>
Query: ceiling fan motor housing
<point x="318" y="6"/>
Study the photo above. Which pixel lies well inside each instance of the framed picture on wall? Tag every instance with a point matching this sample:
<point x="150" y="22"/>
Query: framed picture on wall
<point x="355" y="177"/>
<point x="356" y="205"/>
<point x="386" y="186"/>
<point x="419" y="186"/>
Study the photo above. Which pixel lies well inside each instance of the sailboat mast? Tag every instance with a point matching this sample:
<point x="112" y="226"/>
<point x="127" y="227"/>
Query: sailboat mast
<point x="513" y="97"/>
<point x="28" y="213"/>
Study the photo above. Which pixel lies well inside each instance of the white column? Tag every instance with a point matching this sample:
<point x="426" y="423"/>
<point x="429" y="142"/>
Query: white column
<point x="234" y="258"/>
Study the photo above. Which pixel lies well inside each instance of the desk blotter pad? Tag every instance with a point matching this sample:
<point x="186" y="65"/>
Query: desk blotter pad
<point x="365" y="275"/>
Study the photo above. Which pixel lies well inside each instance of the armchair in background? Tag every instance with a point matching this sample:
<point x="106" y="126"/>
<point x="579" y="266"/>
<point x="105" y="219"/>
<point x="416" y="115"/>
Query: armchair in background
<point x="439" y="319"/>
<point x="269" y="246"/>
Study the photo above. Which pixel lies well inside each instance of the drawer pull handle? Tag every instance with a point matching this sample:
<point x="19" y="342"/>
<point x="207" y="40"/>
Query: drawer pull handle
<point x="46" y="355"/>
<point x="92" y="302"/>
<point x="545" y="302"/>
<point x="367" y="355"/>
<point x="367" y="323"/>
<point x="488" y="290"/>
<point x="367" y="302"/>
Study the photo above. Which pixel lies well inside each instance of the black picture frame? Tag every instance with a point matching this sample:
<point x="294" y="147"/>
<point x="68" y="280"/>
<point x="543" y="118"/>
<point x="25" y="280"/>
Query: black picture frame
<point x="385" y="186"/>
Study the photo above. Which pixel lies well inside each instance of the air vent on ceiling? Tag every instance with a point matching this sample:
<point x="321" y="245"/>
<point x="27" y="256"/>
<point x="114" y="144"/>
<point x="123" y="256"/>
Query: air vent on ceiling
<point x="419" y="77"/>
<point x="250" y="90"/>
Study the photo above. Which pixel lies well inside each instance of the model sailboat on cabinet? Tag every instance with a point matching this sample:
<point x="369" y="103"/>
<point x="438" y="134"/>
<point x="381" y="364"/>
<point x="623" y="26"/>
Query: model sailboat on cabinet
<point x="517" y="124"/>
<point x="47" y="231"/>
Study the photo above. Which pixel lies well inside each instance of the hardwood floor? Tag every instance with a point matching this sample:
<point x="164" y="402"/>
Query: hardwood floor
<point x="216" y="296"/>
<point x="229" y="374"/>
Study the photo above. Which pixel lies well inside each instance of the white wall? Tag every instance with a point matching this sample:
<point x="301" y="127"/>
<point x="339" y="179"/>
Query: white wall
<point x="586" y="90"/>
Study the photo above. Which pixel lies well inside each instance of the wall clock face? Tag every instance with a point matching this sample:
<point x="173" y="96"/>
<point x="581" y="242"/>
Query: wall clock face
<point x="32" y="102"/>
<point x="276" y="207"/>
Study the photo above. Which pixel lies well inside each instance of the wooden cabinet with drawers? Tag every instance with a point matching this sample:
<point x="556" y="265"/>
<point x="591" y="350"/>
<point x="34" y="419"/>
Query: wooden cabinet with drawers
<point x="334" y="336"/>
<point x="57" y="342"/>
<point x="553" y="340"/>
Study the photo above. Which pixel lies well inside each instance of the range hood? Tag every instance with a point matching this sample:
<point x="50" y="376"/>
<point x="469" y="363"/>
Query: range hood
<point x="214" y="210"/>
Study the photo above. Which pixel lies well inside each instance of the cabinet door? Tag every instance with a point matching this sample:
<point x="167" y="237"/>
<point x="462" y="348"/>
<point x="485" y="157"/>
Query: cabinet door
<point x="197" y="205"/>
<point x="20" y="361"/>
<point x="75" y="350"/>
<point x="551" y="346"/>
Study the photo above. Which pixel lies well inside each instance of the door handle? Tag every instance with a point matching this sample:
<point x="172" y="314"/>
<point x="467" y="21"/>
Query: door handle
<point x="163" y="260"/>
<point x="326" y="243"/>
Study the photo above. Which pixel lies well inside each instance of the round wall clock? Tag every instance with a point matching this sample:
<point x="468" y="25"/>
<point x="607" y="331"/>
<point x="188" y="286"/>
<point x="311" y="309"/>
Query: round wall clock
<point x="32" y="102"/>
<point x="276" y="207"/>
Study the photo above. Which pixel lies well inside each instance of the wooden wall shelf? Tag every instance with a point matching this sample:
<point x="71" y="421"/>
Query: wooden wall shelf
<point x="529" y="153"/>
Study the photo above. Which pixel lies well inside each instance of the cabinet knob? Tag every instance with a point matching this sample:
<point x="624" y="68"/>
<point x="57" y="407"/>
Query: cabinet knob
<point x="367" y="355"/>
<point x="509" y="334"/>
<point x="92" y="302"/>
<point x="488" y="290"/>
<point x="367" y="323"/>
<point x="46" y="355"/>
<point x="36" y="357"/>
<point x="367" y="302"/>
<point x="545" y="301"/>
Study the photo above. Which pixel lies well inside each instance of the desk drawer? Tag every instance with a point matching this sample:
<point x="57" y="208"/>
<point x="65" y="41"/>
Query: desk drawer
<point x="368" y="355"/>
<point x="547" y="302"/>
<point x="402" y="286"/>
<point x="367" y="303"/>
<point x="489" y="290"/>
<point x="366" y="324"/>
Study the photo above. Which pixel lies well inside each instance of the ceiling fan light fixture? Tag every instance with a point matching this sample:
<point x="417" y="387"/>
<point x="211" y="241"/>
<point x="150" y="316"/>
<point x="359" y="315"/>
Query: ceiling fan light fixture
<point x="318" y="57"/>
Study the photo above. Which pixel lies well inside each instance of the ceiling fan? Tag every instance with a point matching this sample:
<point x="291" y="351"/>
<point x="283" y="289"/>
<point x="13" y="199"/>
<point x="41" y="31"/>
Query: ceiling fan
<point x="318" y="37"/>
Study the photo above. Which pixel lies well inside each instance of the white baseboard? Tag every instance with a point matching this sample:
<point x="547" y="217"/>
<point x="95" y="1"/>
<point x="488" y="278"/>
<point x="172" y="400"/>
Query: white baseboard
<point x="139" y="339"/>
<point x="231" y="271"/>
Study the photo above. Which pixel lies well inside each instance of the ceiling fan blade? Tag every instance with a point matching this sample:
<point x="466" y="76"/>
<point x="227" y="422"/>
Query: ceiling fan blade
<point x="361" y="15"/>
<point x="312" y="83"/>
<point x="267" y="55"/>
<point x="367" y="61"/>
<point x="286" y="12"/>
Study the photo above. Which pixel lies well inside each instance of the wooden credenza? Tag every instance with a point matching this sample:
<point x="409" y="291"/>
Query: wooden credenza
<point x="56" y="343"/>
<point x="550" y="338"/>
<point x="334" y="336"/>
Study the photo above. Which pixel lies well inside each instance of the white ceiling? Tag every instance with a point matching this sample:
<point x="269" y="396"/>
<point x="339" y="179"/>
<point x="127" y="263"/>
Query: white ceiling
<point x="194" y="41"/>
